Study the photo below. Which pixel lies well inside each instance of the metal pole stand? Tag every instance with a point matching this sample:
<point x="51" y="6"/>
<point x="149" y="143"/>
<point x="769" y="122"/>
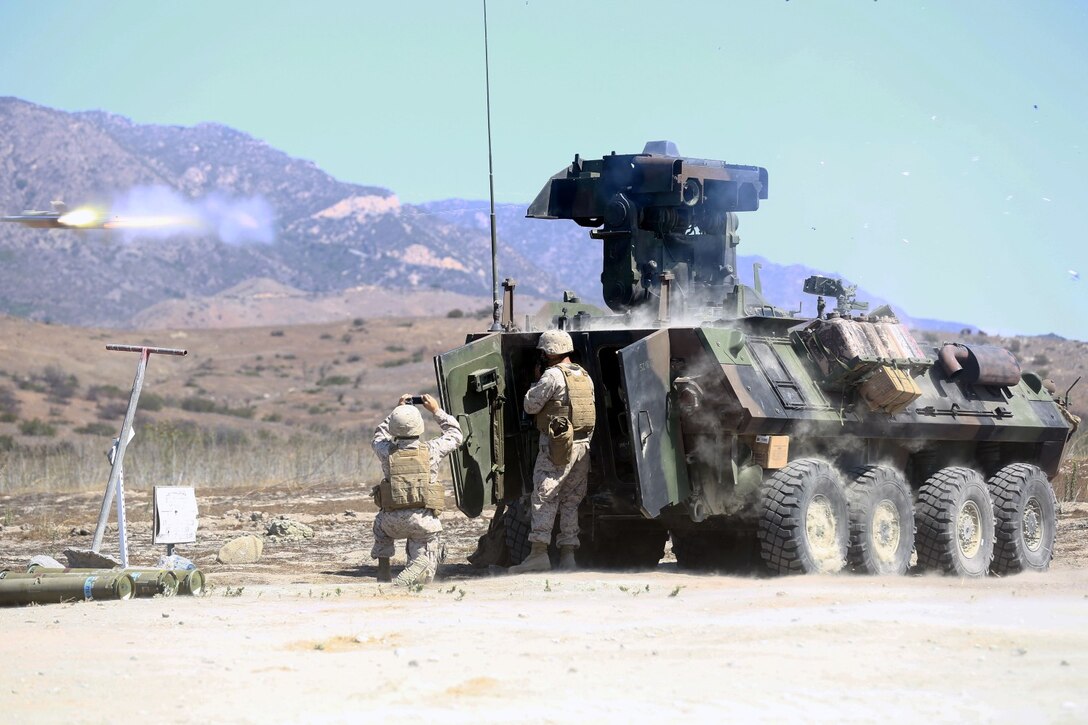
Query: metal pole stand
<point x="116" y="481"/>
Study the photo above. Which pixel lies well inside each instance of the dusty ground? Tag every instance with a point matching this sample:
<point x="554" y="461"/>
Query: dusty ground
<point x="306" y="635"/>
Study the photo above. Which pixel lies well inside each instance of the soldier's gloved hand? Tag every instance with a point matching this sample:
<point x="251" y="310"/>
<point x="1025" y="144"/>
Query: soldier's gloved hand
<point x="430" y="403"/>
<point x="405" y="399"/>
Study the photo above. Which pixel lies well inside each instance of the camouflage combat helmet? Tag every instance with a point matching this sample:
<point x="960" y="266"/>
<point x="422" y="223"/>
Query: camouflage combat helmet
<point x="555" y="342"/>
<point x="406" y="422"/>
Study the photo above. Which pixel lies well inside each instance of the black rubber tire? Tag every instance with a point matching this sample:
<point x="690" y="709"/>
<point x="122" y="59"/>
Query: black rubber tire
<point x="1027" y="519"/>
<point x="880" y="490"/>
<point x="785" y="503"/>
<point x="517" y="519"/>
<point x="621" y="547"/>
<point x="944" y="498"/>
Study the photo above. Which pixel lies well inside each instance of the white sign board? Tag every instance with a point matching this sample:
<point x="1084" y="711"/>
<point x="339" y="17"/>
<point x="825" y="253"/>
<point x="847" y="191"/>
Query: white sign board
<point x="175" y="515"/>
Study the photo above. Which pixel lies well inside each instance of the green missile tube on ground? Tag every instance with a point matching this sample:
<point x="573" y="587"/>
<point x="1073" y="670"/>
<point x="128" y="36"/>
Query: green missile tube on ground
<point x="19" y="589"/>
<point x="188" y="581"/>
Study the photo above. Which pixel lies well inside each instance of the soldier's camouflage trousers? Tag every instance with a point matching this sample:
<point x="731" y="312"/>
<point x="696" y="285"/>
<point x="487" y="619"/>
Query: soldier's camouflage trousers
<point x="420" y="527"/>
<point x="559" y="488"/>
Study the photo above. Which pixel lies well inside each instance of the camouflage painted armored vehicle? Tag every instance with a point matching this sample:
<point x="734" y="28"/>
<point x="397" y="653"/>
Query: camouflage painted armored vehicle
<point x="747" y="435"/>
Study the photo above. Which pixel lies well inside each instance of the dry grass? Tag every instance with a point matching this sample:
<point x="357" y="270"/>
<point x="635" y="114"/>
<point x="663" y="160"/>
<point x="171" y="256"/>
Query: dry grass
<point x="246" y="407"/>
<point x="260" y="406"/>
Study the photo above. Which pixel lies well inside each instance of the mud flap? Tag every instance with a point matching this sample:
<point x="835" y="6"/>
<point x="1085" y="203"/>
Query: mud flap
<point x="652" y="422"/>
<point x="471" y="386"/>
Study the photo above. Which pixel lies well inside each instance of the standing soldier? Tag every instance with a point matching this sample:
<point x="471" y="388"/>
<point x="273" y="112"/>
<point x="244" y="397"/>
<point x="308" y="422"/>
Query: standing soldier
<point x="562" y="401"/>
<point x="409" y="495"/>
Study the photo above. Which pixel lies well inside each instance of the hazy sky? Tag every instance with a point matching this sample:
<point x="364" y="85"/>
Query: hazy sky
<point x="934" y="153"/>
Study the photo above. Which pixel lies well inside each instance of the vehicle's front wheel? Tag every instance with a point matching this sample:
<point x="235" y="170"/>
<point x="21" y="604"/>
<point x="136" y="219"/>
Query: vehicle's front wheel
<point x="803" y="524"/>
<point x="881" y="521"/>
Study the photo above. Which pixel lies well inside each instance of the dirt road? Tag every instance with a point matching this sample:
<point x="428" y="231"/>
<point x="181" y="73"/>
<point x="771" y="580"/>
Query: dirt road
<point x="307" y="636"/>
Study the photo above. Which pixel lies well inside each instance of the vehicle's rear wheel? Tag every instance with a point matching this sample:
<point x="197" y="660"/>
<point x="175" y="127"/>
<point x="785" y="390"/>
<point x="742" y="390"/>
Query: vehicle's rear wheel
<point x="1027" y="519"/>
<point x="881" y="521"/>
<point x="518" y="522"/>
<point x="803" y="524"/>
<point x="955" y="523"/>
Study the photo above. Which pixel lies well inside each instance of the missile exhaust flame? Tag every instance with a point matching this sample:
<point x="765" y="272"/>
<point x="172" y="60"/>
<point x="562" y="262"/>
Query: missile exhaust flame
<point x="160" y="212"/>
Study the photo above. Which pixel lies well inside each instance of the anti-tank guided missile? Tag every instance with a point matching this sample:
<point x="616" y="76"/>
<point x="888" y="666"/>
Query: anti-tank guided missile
<point x="89" y="217"/>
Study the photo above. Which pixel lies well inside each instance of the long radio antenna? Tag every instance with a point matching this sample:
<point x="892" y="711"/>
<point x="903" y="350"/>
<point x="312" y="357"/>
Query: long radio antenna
<point x="496" y="326"/>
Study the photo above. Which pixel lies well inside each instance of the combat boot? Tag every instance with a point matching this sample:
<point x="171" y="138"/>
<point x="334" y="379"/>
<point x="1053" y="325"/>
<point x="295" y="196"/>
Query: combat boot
<point x="566" y="558"/>
<point x="536" y="561"/>
<point x="384" y="575"/>
<point x="418" y="571"/>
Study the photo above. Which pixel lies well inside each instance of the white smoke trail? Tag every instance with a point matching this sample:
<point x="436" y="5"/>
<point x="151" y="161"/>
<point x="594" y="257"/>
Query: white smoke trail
<point x="158" y="212"/>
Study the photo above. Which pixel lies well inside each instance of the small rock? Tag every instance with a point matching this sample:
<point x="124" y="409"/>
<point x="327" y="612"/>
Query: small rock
<point x="79" y="531"/>
<point x="350" y="514"/>
<point x="45" y="562"/>
<point x="289" y="529"/>
<point x="256" y="516"/>
<point x="166" y="615"/>
<point x="87" y="559"/>
<point x="243" y="550"/>
<point x="233" y="513"/>
<point x="413" y="663"/>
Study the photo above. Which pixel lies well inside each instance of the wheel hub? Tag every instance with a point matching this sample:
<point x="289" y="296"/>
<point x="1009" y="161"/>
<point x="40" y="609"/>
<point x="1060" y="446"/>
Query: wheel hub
<point x="885" y="532"/>
<point x="821" y="531"/>
<point x="1033" y="524"/>
<point x="969" y="529"/>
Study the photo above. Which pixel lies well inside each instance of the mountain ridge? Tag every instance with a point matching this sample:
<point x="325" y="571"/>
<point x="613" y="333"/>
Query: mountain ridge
<point x="330" y="236"/>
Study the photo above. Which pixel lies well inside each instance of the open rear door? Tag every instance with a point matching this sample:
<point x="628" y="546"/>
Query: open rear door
<point x="471" y="386"/>
<point x="654" y="429"/>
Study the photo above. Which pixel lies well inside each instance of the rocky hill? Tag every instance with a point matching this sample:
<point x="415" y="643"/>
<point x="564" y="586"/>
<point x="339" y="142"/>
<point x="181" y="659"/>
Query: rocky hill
<point x="331" y="249"/>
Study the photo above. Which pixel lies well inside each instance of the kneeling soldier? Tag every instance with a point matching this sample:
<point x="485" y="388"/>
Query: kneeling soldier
<point x="410" y="496"/>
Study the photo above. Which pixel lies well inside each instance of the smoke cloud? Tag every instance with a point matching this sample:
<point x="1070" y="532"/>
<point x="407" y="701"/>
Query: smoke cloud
<point x="158" y="212"/>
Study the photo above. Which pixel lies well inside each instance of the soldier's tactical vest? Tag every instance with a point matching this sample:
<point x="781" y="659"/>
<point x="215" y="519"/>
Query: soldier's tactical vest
<point x="581" y="412"/>
<point x="409" y="485"/>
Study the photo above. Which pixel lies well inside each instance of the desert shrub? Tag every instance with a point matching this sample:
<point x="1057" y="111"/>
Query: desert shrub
<point x="9" y="405"/>
<point x="358" y="322"/>
<point x="354" y="358"/>
<point x="395" y="363"/>
<point x="152" y="401"/>
<point x="96" y="393"/>
<point x="272" y="418"/>
<point x="335" y="380"/>
<point x="37" y="427"/>
<point x="1040" y="359"/>
<point x="197" y="404"/>
<point x="455" y="313"/>
<point x="394" y="348"/>
<point x="7" y="443"/>
<point x="1013" y="346"/>
<point x="57" y="384"/>
<point x="276" y="333"/>
<point x="112" y="409"/>
<point x="326" y="336"/>
<point x="97" y="429"/>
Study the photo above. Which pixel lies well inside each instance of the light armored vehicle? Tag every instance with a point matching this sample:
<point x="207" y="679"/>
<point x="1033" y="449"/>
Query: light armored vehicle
<point x="748" y="435"/>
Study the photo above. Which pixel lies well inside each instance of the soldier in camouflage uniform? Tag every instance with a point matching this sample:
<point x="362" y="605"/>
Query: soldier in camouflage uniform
<point x="562" y="402"/>
<point x="410" y="495"/>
